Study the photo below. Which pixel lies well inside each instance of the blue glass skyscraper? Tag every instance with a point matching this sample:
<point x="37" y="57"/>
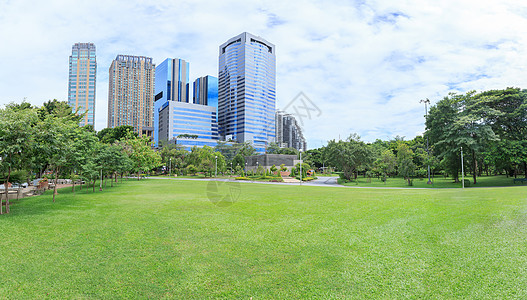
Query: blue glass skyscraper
<point x="171" y="84"/>
<point x="176" y="120"/>
<point x="247" y="90"/>
<point x="205" y="91"/>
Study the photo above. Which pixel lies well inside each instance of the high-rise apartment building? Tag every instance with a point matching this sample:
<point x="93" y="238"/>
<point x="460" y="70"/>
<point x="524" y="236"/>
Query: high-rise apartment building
<point x="247" y="90"/>
<point x="288" y="133"/>
<point x="176" y="119"/>
<point x="205" y="91"/>
<point x="82" y="79"/>
<point x="131" y="93"/>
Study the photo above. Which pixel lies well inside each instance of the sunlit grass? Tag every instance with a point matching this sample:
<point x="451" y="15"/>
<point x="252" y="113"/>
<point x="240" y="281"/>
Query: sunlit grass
<point x="165" y="238"/>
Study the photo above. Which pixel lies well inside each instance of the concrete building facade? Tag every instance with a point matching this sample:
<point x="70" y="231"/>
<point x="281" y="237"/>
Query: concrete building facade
<point x="288" y="132"/>
<point x="131" y="93"/>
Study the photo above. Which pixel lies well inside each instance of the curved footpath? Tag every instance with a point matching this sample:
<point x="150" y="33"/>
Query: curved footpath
<point x="321" y="181"/>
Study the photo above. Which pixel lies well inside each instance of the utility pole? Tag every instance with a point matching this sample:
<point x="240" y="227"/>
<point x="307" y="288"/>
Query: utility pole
<point x="427" y="150"/>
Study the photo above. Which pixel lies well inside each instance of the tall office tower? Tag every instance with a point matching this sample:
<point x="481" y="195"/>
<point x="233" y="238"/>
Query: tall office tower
<point x="176" y="120"/>
<point x="205" y="91"/>
<point x="131" y="93"/>
<point x="246" y="90"/>
<point x="288" y="133"/>
<point x="172" y="84"/>
<point x="82" y="78"/>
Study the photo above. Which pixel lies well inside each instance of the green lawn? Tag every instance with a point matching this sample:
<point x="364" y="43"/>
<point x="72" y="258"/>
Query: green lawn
<point x="165" y="239"/>
<point x="438" y="182"/>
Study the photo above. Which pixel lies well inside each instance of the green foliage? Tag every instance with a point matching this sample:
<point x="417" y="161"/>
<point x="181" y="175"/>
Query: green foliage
<point x="283" y="168"/>
<point x="349" y="155"/>
<point x="405" y="164"/>
<point x="187" y="136"/>
<point x="112" y="135"/>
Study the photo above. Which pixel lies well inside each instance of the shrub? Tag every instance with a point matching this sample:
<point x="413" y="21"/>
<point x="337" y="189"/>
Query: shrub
<point x="242" y="178"/>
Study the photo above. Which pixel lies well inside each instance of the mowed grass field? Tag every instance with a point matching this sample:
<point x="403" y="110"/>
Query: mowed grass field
<point x="437" y="182"/>
<point x="165" y="239"/>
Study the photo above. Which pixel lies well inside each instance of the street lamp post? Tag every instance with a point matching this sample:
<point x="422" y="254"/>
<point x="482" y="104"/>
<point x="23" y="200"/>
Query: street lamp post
<point x="216" y="168"/>
<point x="257" y="165"/>
<point x="170" y="167"/>
<point x="300" y="166"/>
<point x="231" y="168"/>
<point x="427" y="101"/>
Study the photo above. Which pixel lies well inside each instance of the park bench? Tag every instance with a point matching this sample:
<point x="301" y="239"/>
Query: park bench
<point x="520" y="180"/>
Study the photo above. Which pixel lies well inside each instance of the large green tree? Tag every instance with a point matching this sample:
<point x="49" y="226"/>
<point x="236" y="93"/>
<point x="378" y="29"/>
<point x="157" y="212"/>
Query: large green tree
<point x="349" y="156"/>
<point x="16" y="138"/>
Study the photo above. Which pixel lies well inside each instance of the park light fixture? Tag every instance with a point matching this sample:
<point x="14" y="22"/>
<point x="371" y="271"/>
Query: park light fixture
<point x="216" y="169"/>
<point x="300" y="151"/>
<point x="427" y="102"/>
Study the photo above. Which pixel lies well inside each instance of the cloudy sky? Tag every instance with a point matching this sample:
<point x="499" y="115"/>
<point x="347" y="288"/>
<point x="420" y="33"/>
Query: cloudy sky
<point x="364" y="64"/>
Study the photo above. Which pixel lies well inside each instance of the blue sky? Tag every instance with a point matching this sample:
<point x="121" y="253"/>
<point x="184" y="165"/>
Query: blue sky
<point x="364" y="64"/>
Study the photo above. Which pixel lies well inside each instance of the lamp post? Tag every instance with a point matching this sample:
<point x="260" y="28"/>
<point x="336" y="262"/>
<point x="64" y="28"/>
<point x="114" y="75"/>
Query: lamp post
<point x="257" y="165"/>
<point x="300" y="166"/>
<point x="100" y="183"/>
<point x="245" y="169"/>
<point x="427" y="101"/>
<point x="216" y="168"/>
<point x="170" y="167"/>
<point x="231" y="168"/>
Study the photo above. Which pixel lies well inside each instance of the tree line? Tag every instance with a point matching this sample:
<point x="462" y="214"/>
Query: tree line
<point x="47" y="141"/>
<point x="490" y="127"/>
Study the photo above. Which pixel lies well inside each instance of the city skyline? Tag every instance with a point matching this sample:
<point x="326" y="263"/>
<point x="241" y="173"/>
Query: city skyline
<point x="366" y="69"/>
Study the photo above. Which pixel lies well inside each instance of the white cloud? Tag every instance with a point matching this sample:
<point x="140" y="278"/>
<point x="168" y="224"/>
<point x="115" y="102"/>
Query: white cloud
<point x="366" y="65"/>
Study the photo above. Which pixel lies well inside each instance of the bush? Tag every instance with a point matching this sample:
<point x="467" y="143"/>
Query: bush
<point x="242" y="178"/>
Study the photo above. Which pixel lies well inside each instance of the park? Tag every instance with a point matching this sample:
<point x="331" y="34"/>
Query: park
<point x="164" y="238"/>
<point x="384" y="219"/>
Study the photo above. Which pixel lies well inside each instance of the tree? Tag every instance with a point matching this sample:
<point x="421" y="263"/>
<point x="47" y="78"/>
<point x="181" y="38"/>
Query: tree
<point x="405" y="164"/>
<point x="112" y="135"/>
<point x="59" y="109"/>
<point x="139" y="150"/>
<point x="386" y="163"/>
<point x="273" y="148"/>
<point x="460" y="121"/>
<point x="349" y="155"/>
<point x="16" y="135"/>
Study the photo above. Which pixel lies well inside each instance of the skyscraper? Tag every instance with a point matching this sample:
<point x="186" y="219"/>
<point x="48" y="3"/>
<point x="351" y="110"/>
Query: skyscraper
<point x="176" y="119"/>
<point x="131" y="93"/>
<point x="246" y="90"/>
<point x="205" y="91"/>
<point x="288" y="133"/>
<point x="82" y="78"/>
<point x="172" y="84"/>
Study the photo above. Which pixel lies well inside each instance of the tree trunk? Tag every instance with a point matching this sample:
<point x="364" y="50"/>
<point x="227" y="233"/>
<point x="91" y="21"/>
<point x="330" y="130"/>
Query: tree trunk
<point x="93" y="186"/>
<point x="525" y="168"/>
<point x="138" y="175"/>
<point x="73" y="186"/>
<point x="6" y="186"/>
<point x="474" y="166"/>
<point x="55" y="187"/>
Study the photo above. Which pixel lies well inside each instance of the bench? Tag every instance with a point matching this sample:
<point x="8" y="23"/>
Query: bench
<point x="520" y="180"/>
